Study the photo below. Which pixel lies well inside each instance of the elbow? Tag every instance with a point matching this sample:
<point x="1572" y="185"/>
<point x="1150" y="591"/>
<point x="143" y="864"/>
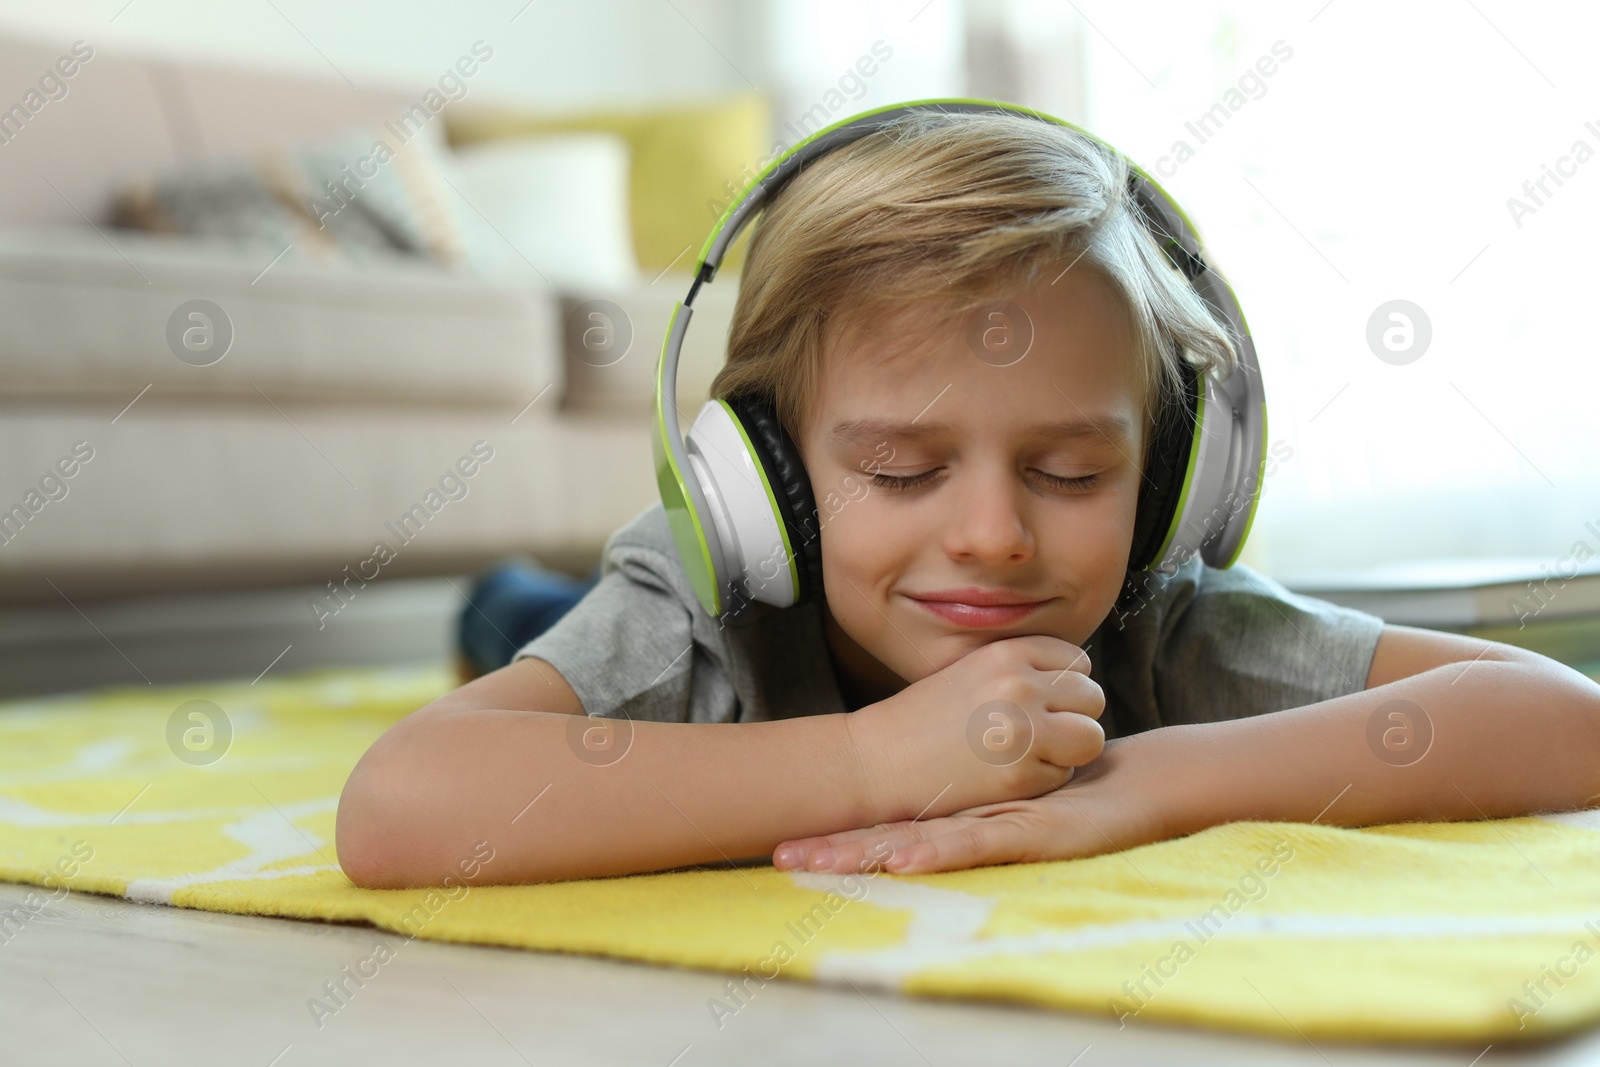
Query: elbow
<point x="371" y="854"/>
<point x="362" y="856"/>
<point x="366" y="867"/>
<point x="376" y="851"/>
<point x="378" y="838"/>
<point x="408" y="817"/>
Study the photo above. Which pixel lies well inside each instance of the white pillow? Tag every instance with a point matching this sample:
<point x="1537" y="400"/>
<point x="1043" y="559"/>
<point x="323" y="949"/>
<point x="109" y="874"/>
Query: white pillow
<point x="556" y="201"/>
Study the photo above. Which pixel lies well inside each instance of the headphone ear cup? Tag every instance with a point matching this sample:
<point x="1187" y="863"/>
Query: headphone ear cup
<point x="1166" y="468"/>
<point x="778" y="455"/>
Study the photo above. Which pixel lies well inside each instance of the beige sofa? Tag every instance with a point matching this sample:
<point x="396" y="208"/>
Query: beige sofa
<point x="162" y="521"/>
<point x="344" y="399"/>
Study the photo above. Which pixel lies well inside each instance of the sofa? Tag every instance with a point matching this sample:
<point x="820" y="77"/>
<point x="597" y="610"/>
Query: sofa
<point x="453" y="417"/>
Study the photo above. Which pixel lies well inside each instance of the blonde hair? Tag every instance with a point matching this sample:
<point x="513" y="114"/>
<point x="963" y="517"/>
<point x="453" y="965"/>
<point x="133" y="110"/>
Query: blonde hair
<point x="951" y="211"/>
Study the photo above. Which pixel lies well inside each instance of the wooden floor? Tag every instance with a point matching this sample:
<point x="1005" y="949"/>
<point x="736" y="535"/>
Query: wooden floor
<point x="98" y="980"/>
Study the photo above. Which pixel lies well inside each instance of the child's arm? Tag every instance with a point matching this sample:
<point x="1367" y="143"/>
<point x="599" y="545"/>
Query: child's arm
<point x="495" y="762"/>
<point x="502" y="761"/>
<point x="1512" y="732"/>
<point x="1449" y="727"/>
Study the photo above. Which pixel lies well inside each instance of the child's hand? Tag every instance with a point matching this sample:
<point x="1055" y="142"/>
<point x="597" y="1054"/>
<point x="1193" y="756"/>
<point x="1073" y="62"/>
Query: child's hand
<point x="1101" y="810"/>
<point x="1008" y="721"/>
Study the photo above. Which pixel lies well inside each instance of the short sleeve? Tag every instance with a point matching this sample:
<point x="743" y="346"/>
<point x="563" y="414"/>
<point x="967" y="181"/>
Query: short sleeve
<point x="627" y="648"/>
<point x="1235" y="643"/>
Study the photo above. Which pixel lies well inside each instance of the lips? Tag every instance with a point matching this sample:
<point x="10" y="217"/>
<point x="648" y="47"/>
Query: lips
<point x="979" y="607"/>
<point x="973" y="595"/>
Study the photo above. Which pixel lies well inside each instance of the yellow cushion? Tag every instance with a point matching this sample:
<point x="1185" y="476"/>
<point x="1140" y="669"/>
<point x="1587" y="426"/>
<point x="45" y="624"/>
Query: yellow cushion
<point x="689" y="161"/>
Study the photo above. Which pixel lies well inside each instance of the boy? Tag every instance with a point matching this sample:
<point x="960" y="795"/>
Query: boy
<point x="983" y="681"/>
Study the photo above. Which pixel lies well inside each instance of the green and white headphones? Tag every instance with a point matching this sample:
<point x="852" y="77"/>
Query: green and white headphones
<point x="739" y="502"/>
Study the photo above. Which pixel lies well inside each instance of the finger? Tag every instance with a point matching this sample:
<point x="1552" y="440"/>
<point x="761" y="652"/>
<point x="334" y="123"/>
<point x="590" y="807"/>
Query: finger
<point x="1013" y="734"/>
<point x="1068" y="740"/>
<point x="844" y="851"/>
<point x="1045" y="653"/>
<point x="1052" y="654"/>
<point x="849" y="850"/>
<point x="966" y="843"/>
<point x="1071" y="691"/>
<point x="829" y="840"/>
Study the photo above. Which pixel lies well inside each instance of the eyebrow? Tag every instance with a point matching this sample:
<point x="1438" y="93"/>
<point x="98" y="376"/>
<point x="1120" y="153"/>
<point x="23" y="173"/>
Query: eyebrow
<point x="1116" y="428"/>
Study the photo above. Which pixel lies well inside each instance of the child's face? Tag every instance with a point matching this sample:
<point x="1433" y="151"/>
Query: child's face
<point x="989" y="516"/>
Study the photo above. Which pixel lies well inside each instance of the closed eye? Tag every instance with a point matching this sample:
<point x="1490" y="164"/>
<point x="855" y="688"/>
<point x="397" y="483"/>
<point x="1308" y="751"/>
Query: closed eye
<point x="899" y="483"/>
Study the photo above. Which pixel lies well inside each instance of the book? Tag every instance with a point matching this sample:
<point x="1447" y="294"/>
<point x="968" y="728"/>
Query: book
<point x="1463" y="593"/>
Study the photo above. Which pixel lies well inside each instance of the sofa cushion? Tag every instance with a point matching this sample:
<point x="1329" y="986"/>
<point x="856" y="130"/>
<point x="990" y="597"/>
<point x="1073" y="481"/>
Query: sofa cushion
<point x="108" y="313"/>
<point x="363" y="198"/>
<point x="173" y="495"/>
<point x="613" y="339"/>
<point x="689" y="161"/>
<point x="555" y="208"/>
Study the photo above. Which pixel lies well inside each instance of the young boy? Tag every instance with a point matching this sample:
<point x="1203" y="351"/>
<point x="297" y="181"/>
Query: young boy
<point x="984" y="681"/>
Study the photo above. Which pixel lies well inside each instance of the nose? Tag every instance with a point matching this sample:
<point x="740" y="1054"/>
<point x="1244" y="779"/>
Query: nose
<point x="990" y="521"/>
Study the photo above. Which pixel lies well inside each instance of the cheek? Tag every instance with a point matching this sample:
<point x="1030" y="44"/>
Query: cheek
<point x="867" y="542"/>
<point x="852" y="536"/>
<point x="1100" y="555"/>
<point x="868" y="547"/>
<point x="1113" y="514"/>
<point x="1101" y="537"/>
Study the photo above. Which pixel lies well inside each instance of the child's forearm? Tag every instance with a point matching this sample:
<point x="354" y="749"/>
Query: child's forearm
<point x="1508" y="738"/>
<point x="553" y="809"/>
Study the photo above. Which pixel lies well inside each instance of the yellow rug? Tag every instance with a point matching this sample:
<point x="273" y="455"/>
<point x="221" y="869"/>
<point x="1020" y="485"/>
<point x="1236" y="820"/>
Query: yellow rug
<point x="1475" y="933"/>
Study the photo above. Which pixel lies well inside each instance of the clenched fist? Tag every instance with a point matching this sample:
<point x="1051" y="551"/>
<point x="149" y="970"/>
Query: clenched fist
<point x="1007" y="721"/>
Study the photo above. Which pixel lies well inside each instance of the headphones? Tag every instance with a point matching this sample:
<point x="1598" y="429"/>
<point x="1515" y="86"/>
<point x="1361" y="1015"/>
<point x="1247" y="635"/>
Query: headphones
<point x="739" y="502"/>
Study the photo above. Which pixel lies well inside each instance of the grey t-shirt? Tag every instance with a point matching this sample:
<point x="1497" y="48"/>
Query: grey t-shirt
<point x="1202" y="645"/>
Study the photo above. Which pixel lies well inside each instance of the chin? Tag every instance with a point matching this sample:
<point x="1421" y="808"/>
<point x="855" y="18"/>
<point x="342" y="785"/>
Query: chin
<point x="950" y="647"/>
